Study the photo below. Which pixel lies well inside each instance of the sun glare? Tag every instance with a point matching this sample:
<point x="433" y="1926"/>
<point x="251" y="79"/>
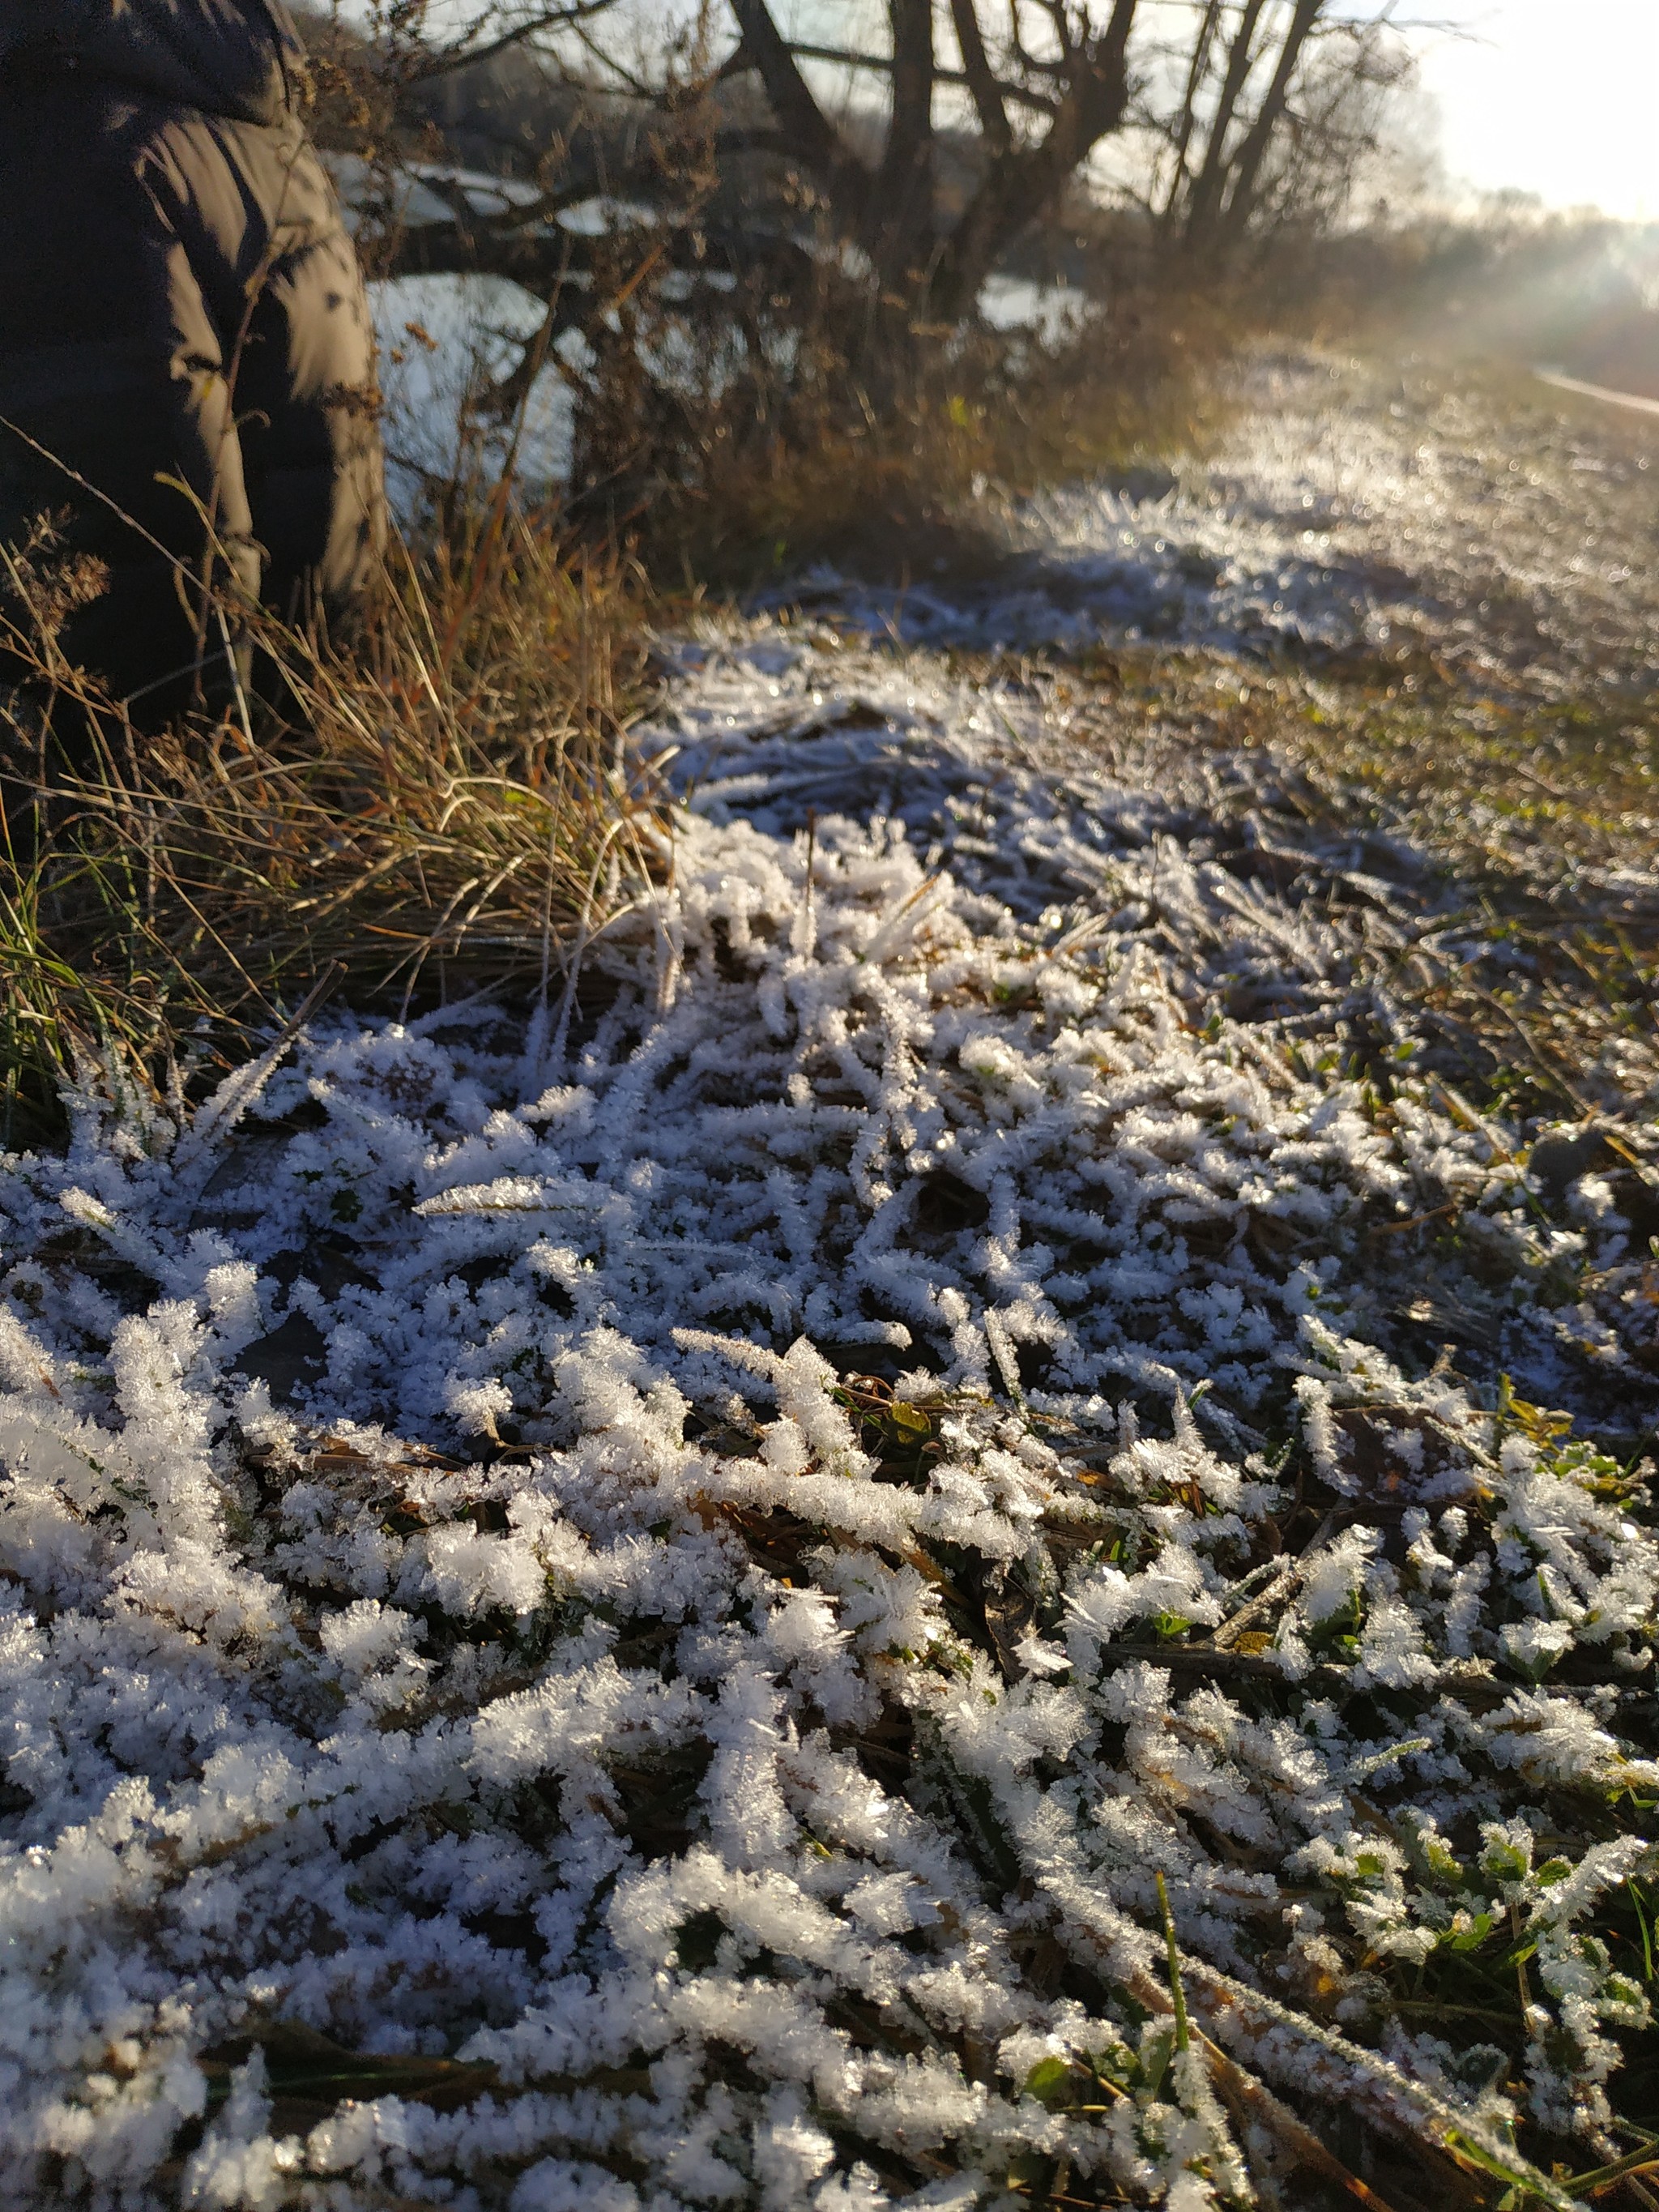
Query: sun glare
<point x="1553" y="97"/>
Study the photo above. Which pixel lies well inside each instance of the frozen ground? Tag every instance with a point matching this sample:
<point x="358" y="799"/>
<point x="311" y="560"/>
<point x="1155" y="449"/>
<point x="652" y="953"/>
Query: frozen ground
<point x="624" y="1614"/>
<point x="1351" y="511"/>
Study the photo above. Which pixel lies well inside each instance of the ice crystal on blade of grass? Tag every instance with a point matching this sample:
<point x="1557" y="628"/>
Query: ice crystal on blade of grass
<point x="798" y="1507"/>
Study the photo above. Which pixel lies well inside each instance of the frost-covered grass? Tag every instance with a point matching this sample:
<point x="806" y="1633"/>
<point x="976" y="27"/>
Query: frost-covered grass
<point x="761" y="1778"/>
<point x="1428" y="590"/>
<point x="1399" y="513"/>
<point x="643" y="1610"/>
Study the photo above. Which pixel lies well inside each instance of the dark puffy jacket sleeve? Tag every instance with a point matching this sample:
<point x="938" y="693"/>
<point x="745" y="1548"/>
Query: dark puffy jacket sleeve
<point x="239" y="58"/>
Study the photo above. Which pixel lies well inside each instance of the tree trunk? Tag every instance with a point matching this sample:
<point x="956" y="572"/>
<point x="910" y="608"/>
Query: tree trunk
<point x="1023" y="182"/>
<point x="812" y="138"/>
<point x="1247" y="163"/>
<point x="989" y="103"/>
<point x="1205" y="202"/>
<point x="1187" y="121"/>
<point x="901" y="219"/>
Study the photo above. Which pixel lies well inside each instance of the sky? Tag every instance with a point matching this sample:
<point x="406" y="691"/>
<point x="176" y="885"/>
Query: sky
<point x="1557" y="97"/>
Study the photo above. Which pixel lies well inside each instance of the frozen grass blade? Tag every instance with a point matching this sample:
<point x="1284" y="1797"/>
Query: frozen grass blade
<point x="1178" y="1994"/>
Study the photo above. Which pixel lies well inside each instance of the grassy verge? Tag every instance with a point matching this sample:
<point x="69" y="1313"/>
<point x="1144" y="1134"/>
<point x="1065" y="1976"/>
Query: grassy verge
<point x="1544" y="814"/>
<point x="1527" y="773"/>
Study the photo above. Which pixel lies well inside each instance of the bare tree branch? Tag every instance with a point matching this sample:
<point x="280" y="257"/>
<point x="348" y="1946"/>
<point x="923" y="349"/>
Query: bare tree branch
<point x="1197" y="70"/>
<point x="798" y="113"/>
<point x="470" y="49"/>
<point x="981" y="77"/>
<point x="1246" y="162"/>
<point x="1016" y="95"/>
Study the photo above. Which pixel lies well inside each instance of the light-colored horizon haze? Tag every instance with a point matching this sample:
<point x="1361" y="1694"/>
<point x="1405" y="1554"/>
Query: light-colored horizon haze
<point x="1555" y="97"/>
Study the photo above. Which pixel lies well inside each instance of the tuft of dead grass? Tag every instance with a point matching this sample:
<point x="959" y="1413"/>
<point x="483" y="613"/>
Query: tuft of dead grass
<point x="445" y="808"/>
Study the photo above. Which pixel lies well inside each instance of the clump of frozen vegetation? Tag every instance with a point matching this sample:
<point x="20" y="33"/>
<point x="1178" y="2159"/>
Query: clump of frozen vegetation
<point x="630" y="1617"/>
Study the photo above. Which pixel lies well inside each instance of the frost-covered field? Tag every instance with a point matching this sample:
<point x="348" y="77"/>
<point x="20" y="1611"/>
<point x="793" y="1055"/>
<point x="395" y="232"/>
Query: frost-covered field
<point x="1351" y="509"/>
<point x="629" y="1615"/>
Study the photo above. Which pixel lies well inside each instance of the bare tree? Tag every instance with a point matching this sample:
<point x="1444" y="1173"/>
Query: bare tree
<point x="1279" y="102"/>
<point x="1044" y="86"/>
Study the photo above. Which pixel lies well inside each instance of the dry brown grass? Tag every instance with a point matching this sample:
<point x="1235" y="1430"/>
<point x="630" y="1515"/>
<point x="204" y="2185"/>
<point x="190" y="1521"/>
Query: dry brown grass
<point x="441" y="810"/>
<point x="897" y="490"/>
